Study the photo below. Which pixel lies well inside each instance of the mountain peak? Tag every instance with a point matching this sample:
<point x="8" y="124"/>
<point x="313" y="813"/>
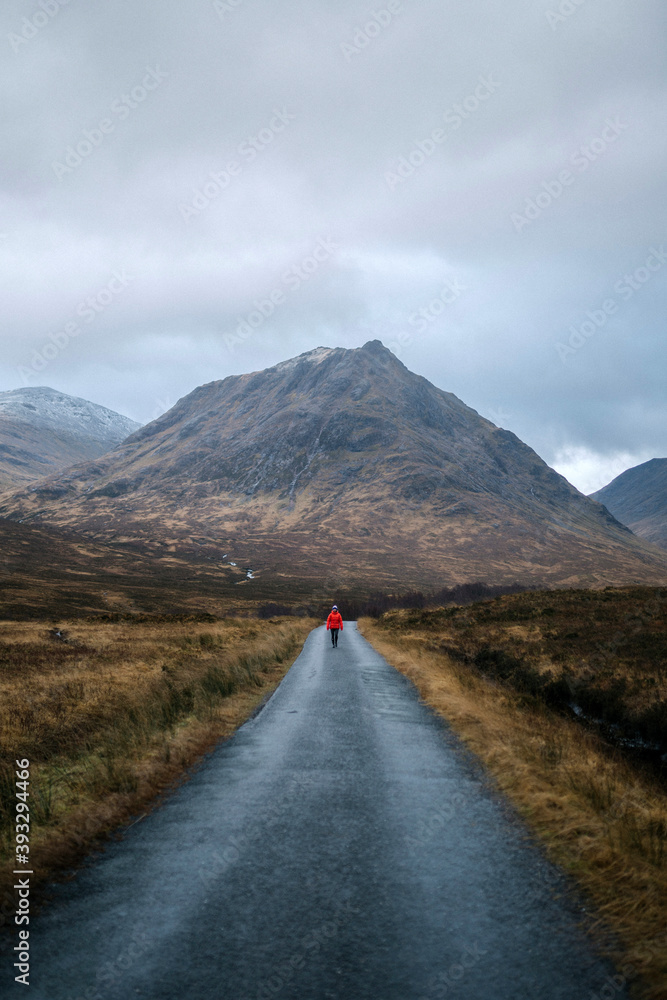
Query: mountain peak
<point x="372" y="348"/>
<point x="42" y="406"/>
<point x="344" y="454"/>
<point x="43" y="430"/>
<point x="377" y="347"/>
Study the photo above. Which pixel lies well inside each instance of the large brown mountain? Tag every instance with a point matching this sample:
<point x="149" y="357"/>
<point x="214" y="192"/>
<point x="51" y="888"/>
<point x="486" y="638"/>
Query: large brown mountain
<point x="638" y="498"/>
<point x="343" y="467"/>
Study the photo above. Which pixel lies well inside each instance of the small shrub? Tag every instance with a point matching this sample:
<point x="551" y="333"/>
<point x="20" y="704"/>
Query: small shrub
<point x="42" y="799"/>
<point x="551" y="753"/>
<point x="598" y="790"/>
<point x="209" y="641"/>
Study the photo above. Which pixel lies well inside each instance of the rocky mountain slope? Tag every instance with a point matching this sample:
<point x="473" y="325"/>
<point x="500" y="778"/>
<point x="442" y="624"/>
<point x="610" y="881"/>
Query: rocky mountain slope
<point x="638" y="498"/>
<point x="342" y="467"/>
<point x="43" y="431"/>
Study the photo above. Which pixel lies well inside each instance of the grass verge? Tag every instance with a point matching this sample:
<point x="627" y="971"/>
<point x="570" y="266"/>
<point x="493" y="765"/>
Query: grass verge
<point x="598" y="817"/>
<point x="109" y="714"/>
<point x="601" y="654"/>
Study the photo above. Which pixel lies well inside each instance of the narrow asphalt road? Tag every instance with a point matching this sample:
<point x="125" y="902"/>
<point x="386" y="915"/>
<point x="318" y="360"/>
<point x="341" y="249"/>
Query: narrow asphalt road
<point x="341" y="845"/>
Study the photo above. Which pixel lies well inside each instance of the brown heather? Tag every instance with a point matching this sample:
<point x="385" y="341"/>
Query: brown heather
<point x="597" y="815"/>
<point x="114" y="712"/>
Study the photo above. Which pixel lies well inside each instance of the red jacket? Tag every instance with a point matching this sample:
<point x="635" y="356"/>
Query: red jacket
<point x="335" y="620"/>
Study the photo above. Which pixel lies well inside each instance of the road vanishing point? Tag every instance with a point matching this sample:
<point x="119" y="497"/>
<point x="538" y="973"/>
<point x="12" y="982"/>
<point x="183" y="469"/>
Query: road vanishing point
<point x="342" y="844"/>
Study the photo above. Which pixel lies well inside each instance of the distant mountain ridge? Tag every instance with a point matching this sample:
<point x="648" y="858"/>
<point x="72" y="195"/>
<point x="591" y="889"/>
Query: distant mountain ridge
<point x="638" y="498"/>
<point x="342" y="466"/>
<point x="43" y="431"/>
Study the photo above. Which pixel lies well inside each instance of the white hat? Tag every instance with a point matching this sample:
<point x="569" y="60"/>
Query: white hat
<point x="335" y="607"/>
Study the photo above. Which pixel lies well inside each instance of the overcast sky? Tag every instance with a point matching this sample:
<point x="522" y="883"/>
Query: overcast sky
<point x="193" y="190"/>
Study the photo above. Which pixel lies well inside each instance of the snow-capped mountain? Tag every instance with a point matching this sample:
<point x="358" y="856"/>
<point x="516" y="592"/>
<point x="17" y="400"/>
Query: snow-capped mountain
<point x="43" y="431"/>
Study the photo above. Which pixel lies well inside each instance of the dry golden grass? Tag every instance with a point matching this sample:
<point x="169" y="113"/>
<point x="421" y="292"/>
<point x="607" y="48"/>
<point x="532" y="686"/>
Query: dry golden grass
<point x="598" y="818"/>
<point x="605" y="651"/>
<point x="117" y="712"/>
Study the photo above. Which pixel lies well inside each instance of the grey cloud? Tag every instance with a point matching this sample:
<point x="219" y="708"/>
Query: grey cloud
<point x="359" y="102"/>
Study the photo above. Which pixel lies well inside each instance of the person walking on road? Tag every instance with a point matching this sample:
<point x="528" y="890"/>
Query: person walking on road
<point x="334" y="622"/>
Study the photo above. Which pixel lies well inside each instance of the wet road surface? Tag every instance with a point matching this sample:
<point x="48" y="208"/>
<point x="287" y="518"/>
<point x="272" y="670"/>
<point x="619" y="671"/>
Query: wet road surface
<point x="341" y="845"/>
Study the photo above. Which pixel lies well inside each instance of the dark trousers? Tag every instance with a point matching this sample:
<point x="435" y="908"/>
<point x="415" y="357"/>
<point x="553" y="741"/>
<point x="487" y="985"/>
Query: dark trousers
<point x="334" y="636"/>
